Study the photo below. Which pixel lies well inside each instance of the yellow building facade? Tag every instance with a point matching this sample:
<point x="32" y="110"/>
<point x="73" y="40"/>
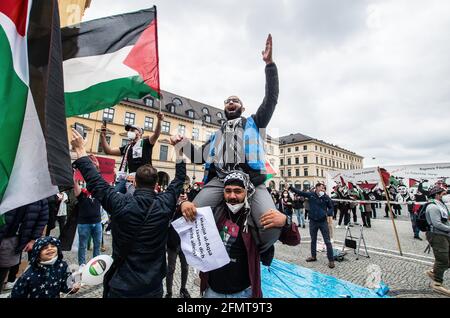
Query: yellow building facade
<point x="304" y="160"/>
<point x="72" y="11"/>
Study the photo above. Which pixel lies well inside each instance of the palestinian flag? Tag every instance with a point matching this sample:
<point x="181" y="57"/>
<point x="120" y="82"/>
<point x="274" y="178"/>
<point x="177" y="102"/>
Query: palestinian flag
<point x="34" y="151"/>
<point x="412" y="182"/>
<point x="108" y="59"/>
<point x="270" y="172"/>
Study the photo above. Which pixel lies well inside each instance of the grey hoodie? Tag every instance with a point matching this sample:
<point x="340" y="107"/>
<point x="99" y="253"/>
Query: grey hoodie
<point x="439" y="222"/>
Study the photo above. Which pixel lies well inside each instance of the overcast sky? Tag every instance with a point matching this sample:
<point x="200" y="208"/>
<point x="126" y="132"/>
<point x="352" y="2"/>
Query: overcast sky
<point x="370" y="76"/>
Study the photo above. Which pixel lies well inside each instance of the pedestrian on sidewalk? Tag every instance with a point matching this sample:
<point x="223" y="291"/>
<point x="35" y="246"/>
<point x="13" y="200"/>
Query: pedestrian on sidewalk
<point x="437" y="216"/>
<point x="321" y="207"/>
<point x="299" y="210"/>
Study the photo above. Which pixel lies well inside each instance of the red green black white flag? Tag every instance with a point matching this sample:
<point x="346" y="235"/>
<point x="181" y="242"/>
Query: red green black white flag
<point x="34" y="152"/>
<point x="108" y="59"/>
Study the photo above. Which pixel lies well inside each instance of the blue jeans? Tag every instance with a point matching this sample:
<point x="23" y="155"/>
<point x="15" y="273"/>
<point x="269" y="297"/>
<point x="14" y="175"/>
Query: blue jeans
<point x="415" y="228"/>
<point x="85" y="231"/>
<point x="300" y="216"/>
<point x="246" y="293"/>
<point x="314" y="227"/>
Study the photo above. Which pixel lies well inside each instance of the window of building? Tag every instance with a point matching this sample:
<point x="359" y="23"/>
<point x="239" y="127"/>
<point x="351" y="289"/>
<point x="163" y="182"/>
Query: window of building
<point x="282" y="172"/>
<point x="271" y="150"/>
<point x="322" y="172"/>
<point x="220" y="115"/>
<point x="306" y="186"/>
<point x="289" y="149"/>
<point x="289" y="161"/>
<point x="165" y="127"/>
<point x="317" y="172"/>
<point x="205" y="111"/>
<point x="124" y="142"/>
<point x="317" y="159"/>
<point x="85" y="115"/>
<point x="207" y="118"/>
<point x="172" y="109"/>
<point x="163" y="152"/>
<point x="281" y="150"/>
<point x="177" y="101"/>
<point x="305" y="172"/>
<point x="296" y="148"/>
<point x="108" y="114"/>
<point x="100" y="148"/>
<point x="316" y="148"/>
<point x="326" y="162"/>
<point x="305" y="159"/>
<point x="297" y="172"/>
<point x="281" y="162"/>
<point x="332" y="153"/>
<point x="129" y="118"/>
<point x="289" y="172"/>
<point x="190" y="113"/>
<point x="320" y="149"/>
<point x="195" y="134"/>
<point x="298" y="185"/>
<point x="321" y="161"/>
<point x="148" y="123"/>
<point x="305" y="147"/>
<point x="148" y="101"/>
<point x="297" y="160"/>
<point x="182" y="130"/>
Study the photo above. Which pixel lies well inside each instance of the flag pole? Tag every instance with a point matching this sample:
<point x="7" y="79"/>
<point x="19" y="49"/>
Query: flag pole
<point x="157" y="58"/>
<point x="391" y="213"/>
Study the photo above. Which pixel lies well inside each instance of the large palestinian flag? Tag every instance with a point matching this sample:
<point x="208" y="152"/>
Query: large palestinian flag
<point x="34" y="152"/>
<point x="108" y="59"/>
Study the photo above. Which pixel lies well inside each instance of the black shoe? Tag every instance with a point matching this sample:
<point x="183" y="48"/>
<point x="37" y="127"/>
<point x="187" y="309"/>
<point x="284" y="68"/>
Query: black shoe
<point x="168" y="295"/>
<point x="184" y="293"/>
<point x="304" y="226"/>
<point x="418" y="238"/>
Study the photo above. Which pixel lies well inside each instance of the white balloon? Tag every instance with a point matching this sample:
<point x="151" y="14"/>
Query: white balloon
<point x="95" y="269"/>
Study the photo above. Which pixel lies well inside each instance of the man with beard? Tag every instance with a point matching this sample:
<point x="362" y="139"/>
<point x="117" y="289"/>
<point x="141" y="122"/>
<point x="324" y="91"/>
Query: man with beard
<point x="241" y="278"/>
<point x="239" y="146"/>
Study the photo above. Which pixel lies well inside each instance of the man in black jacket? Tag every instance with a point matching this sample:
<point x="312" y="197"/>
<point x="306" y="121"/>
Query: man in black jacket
<point x="142" y="270"/>
<point x="320" y="207"/>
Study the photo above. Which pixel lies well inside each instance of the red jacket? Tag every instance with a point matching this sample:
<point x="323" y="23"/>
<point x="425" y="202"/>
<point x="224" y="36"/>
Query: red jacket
<point x="289" y="236"/>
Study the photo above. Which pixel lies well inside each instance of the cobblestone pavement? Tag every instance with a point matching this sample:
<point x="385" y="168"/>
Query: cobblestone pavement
<point x="403" y="274"/>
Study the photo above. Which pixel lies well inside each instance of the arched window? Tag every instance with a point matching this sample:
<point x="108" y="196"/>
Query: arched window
<point x="220" y="115"/>
<point x="177" y="102"/>
<point x="298" y="185"/>
<point x="306" y="185"/>
<point x="205" y="111"/>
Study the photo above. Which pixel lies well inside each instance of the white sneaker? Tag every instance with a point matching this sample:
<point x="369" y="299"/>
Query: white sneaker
<point x="338" y="226"/>
<point x="9" y="286"/>
<point x="108" y="232"/>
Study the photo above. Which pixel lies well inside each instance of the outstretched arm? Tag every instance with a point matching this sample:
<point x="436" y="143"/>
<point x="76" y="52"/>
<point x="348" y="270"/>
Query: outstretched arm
<point x="108" y="150"/>
<point x="265" y="111"/>
<point x="195" y="154"/>
<point x="153" y="139"/>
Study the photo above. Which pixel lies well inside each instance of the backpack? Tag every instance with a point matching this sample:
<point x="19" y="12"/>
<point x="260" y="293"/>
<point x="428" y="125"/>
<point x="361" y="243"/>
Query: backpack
<point x="421" y="221"/>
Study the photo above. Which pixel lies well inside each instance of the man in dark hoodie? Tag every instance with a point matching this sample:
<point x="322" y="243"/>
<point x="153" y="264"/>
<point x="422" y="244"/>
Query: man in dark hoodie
<point x="140" y="224"/>
<point x="48" y="275"/>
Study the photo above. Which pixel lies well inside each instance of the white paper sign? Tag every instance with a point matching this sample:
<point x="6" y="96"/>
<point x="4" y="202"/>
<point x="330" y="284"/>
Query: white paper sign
<point x="201" y="242"/>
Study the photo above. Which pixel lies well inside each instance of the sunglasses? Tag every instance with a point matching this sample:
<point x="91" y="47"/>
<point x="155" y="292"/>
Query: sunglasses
<point x="232" y="100"/>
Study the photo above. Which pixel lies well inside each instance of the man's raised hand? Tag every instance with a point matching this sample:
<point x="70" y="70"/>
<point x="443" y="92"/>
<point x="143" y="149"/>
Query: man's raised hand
<point x="267" y="53"/>
<point x="77" y="143"/>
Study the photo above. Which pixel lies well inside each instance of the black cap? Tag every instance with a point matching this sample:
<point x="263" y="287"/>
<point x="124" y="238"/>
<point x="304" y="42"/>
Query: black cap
<point x="128" y="127"/>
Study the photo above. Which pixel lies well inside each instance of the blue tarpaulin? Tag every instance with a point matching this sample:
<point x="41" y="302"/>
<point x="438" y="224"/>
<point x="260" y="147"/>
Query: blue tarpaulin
<point x="284" y="280"/>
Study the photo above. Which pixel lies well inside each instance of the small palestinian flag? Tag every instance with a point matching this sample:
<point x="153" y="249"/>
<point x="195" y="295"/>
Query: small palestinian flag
<point x="270" y="172"/>
<point x="97" y="267"/>
<point x="34" y="151"/>
<point x="108" y="59"/>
